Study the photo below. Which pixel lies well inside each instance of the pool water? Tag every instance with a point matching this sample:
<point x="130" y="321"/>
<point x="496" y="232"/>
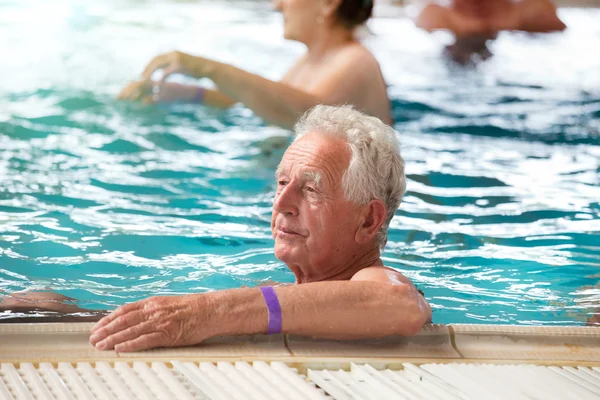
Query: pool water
<point x="110" y="202"/>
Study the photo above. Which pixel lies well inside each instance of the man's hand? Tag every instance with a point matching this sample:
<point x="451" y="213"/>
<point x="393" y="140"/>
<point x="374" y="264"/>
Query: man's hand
<point x="155" y="322"/>
<point x="177" y="62"/>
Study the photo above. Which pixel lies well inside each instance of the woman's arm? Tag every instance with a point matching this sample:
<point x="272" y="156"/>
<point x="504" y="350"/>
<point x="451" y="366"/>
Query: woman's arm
<point x="170" y="92"/>
<point x="276" y="102"/>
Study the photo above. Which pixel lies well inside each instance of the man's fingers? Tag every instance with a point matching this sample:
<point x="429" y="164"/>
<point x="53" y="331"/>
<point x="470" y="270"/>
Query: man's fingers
<point x="144" y="342"/>
<point x="116" y="314"/>
<point x="118" y="325"/>
<point x="128" y="334"/>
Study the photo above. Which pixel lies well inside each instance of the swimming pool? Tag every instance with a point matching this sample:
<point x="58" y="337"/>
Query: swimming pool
<point x="109" y="202"/>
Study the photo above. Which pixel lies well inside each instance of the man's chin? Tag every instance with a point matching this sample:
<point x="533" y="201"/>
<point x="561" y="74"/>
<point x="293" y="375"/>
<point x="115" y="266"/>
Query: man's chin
<point x="284" y="253"/>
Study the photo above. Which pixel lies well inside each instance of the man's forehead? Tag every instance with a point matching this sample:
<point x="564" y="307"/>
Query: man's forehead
<point x="306" y="172"/>
<point x="319" y="146"/>
<point x="316" y="151"/>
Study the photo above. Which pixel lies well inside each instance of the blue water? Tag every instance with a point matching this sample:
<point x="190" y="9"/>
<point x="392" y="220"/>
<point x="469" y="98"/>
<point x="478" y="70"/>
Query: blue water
<point x="110" y="202"/>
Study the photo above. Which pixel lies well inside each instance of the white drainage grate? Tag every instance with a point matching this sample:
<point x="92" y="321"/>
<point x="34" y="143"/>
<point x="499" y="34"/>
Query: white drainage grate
<point x="461" y="381"/>
<point x="143" y="381"/>
<point x="260" y="380"/>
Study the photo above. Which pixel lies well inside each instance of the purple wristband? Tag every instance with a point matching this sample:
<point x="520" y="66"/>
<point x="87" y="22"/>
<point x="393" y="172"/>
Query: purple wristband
<point x="274" y="308"/>
<point x="199" y="97"/>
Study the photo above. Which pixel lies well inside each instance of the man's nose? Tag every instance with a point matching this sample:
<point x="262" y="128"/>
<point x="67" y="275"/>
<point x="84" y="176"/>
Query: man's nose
<point x="286" y="202"/>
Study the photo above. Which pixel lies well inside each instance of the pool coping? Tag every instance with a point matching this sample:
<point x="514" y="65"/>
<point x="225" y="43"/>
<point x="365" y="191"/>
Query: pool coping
<point x="57" y="342"/>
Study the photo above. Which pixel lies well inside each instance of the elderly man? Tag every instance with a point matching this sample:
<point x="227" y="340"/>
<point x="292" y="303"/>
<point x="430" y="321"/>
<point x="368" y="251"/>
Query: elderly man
<point x="338" y="186"/>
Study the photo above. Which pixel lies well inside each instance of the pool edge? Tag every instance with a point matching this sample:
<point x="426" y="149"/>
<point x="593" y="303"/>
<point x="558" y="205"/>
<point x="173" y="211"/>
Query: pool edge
<point x="68" y="342"/>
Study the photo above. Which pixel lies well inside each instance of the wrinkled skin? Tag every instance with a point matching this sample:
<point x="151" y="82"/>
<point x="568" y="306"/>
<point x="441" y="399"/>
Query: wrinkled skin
<point x="154" y="322"/>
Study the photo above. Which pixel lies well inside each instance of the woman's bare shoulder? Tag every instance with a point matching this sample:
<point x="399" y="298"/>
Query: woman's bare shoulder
<point x="355" y="54"/>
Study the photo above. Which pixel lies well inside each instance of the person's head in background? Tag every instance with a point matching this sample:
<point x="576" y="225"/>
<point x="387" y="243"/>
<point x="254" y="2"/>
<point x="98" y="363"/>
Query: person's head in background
<point x="310" y="21"/>
<point x="476" y="22"/>
<point x="480" y="8"/>
<point x="487" y="17"/>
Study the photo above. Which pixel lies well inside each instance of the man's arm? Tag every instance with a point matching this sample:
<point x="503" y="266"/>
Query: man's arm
<point x="377" y="302"/>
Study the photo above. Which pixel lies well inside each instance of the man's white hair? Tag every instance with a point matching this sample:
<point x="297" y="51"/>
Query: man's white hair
<point x="376" y="169"/>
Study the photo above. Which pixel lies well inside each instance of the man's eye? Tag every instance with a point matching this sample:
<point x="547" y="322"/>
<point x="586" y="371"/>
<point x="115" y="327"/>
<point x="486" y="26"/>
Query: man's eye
<point x="311" y="189"/>
<point x="282" y="183"/>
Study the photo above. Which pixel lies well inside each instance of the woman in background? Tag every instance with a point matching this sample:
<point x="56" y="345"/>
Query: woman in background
<point x="336" y="69"/>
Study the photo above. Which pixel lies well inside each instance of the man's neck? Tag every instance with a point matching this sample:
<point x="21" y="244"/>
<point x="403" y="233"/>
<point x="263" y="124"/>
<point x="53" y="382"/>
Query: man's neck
<point x="329" y="38"/>
<point x="341" y="272"/>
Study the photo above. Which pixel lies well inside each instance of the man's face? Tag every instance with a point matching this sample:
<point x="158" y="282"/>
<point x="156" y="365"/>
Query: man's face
<point x="313" y="225"/>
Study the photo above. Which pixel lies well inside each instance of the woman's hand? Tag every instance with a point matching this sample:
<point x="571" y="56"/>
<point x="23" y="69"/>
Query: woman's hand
<point x="177" y="62"/>
<point x="172" y="321"/>
<point x="167" y="92"/>
<point x="138" y="91"/>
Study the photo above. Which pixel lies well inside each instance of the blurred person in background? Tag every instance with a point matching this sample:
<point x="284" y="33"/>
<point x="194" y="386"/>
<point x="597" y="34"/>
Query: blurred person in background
<point x="475" y="22"/>
<point x="336" y="69"/>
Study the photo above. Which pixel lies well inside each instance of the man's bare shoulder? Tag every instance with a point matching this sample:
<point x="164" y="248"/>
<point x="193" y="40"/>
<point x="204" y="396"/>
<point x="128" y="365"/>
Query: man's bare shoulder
<point x="536" y="5"/>
<point x="539" y="16"/>
<point x="381" y="274"/>
<point x="391" y="276"/>
<point x="432" y="17"/>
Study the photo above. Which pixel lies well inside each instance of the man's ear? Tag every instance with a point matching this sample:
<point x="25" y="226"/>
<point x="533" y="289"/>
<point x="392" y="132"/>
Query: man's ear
<point x="373" y="216"/>
<point x="329" y="7"/>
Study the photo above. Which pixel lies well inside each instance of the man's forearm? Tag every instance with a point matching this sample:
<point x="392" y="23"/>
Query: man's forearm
<point x="335" y="310"/>
<point x="238" y="312"/>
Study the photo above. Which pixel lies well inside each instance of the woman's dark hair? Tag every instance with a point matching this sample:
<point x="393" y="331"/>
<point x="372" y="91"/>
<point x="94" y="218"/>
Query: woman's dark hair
<point x="352" y="13"/>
